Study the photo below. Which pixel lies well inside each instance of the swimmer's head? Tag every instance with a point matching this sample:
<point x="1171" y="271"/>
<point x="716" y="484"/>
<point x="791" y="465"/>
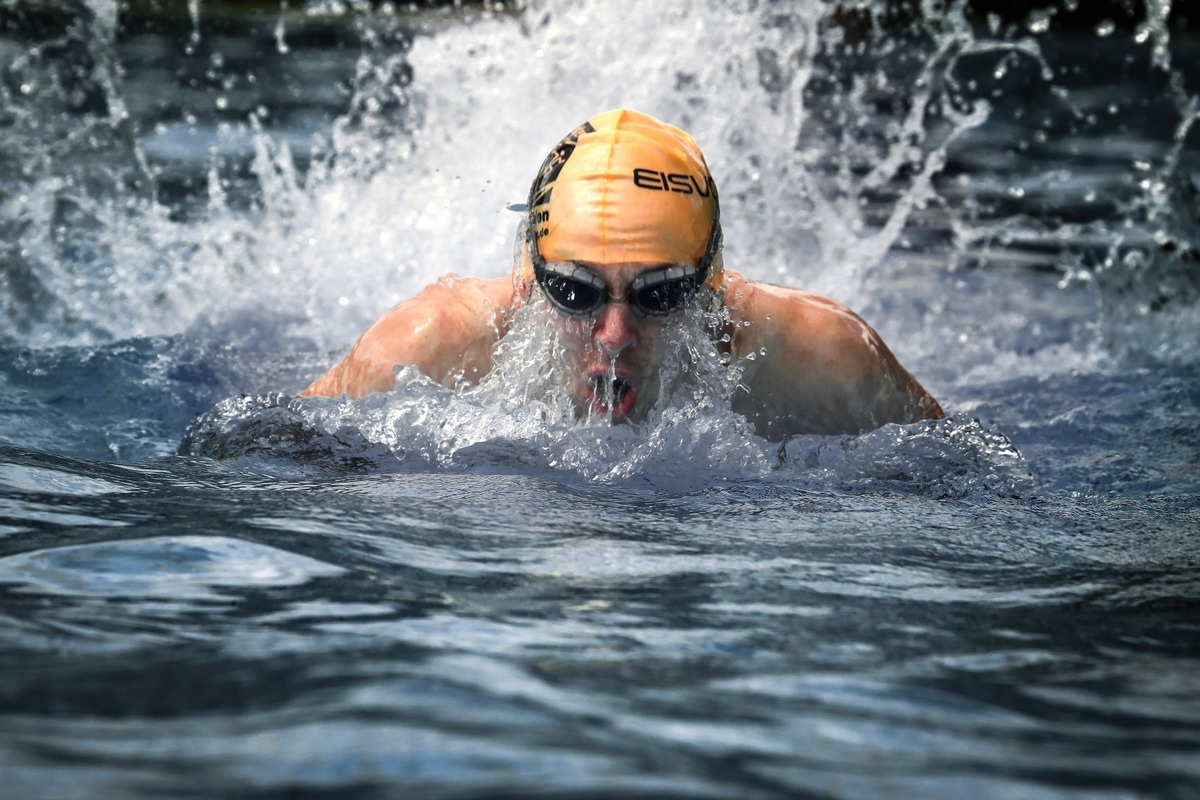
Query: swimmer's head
<point x="623" y="188"/>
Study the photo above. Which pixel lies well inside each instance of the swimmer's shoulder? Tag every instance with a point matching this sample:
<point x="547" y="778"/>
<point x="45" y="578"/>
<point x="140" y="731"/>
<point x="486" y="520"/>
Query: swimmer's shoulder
<point x="452" y="321"/>
<point x="492" y="292"/>
<point x="453" y="307"/>
<point x="763" y="313"/>
<point x="817" y="366"/>
<point x="446" y="330"/>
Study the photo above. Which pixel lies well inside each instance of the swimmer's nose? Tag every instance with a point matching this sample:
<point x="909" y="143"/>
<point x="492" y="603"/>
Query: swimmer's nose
<point x="614" y="329"/>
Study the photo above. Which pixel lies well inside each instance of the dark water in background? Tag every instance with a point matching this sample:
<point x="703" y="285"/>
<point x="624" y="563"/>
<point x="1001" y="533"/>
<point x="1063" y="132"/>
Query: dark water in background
<point x="431" y="595"/>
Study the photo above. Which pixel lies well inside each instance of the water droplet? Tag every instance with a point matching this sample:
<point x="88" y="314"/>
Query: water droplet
<point x="281" y="45"/>
<point x="1039" y="22"/>
<point x="1106" y="28"/>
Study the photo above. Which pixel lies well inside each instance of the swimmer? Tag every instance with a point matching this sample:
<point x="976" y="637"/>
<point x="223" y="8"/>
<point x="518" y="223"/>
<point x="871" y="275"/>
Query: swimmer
<point x="622" y="231"/>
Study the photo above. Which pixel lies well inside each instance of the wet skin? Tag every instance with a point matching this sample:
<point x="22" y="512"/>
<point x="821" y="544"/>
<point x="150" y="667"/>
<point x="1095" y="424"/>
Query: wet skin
<point x="613" y="354"/>
<point x="818" y="367"/>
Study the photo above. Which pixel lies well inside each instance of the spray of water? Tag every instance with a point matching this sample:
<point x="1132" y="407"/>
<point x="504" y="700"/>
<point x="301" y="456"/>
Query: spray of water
<point x="398" y="192"/>
<point x="829" y="128"/>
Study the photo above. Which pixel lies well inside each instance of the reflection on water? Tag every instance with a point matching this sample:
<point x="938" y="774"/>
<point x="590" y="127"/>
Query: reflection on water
<point x="761" y="637"/>
<point x="460" y="594"/>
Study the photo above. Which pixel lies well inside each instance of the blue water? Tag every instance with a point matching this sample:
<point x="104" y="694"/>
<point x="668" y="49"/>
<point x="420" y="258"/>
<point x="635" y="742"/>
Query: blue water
<point x="212" y="588"/>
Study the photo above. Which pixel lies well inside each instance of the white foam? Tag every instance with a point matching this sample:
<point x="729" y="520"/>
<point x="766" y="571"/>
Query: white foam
<point x="395" y="203"/>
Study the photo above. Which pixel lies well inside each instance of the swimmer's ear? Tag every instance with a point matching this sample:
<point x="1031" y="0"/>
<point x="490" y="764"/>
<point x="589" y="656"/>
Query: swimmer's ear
<point x="522" y="271"/>
<point x="522" y="288"/>
<point x="715" y="256"/>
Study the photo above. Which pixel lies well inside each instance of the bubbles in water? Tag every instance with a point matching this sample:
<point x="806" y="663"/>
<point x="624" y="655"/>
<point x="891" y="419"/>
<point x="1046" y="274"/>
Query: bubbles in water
<point x="948" y="459"/>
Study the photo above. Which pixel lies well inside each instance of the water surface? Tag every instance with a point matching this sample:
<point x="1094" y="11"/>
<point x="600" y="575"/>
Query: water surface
<point x="210" y="587"/>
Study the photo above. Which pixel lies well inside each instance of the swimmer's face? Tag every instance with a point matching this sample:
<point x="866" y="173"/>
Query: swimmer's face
<point x="611" y="319"/>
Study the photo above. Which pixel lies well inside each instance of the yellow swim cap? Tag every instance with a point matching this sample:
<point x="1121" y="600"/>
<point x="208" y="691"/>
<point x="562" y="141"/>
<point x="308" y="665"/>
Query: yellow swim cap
<point x="625" y="187"/>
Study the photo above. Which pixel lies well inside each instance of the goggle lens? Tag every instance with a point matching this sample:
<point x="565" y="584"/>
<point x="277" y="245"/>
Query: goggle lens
<point x="570" y="295"/>
<point x="577" y="291"/>
<point x="664" y="297"/>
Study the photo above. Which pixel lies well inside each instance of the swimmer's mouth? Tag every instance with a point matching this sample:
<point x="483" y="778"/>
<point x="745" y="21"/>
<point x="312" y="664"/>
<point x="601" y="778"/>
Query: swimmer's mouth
<point x="611" y="397"/>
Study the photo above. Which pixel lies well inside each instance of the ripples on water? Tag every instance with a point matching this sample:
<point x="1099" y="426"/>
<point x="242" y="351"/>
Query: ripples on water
<point x="209" y="587"/>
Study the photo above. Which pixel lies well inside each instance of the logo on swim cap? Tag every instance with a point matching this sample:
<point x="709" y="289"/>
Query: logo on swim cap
<point x="543" y="184"/>
<point x="673" y="182"/>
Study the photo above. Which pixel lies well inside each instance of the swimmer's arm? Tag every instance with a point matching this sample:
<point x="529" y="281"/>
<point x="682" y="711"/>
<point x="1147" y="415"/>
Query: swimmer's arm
<point x="818" y="367"/>
<point x="447" y="331"/>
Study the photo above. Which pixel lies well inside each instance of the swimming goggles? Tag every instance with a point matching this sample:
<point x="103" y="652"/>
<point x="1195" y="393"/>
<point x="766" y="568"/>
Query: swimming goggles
<point x="577" y="291"/>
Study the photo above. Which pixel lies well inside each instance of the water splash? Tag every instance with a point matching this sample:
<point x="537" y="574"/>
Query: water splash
<point x="1155" y="30"/>
<point x="850" y="145"/>
<point x="193" y="7"/>
<point x="519" y="414"/>
<point x="395" y="192"/>
<point x="281" y="45"/>
<point x="520" y="417"/>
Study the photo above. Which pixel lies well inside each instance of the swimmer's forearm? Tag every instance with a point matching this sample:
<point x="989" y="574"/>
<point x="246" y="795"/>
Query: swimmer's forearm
<point x="404" y="336"/>
<point x="352" y="377"/>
